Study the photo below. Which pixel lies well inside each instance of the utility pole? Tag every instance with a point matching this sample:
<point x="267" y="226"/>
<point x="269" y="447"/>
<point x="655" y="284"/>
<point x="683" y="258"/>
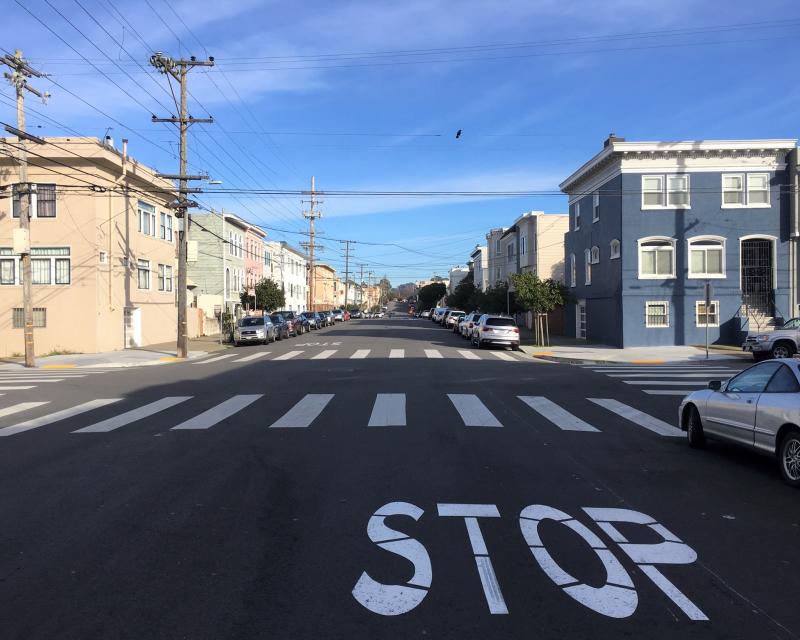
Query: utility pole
<point x="178" y="69"/>
<point x="21" y="71"/>
<point x="361" y="287"/>
<point x="312" y="214"/>
<point x="346" y="269"/>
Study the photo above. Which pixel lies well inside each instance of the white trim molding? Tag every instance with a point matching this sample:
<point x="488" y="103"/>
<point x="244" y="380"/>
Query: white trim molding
<point x="706" y="243"/>
<point x="761" y="236"/>
<point x="662" y="241"/>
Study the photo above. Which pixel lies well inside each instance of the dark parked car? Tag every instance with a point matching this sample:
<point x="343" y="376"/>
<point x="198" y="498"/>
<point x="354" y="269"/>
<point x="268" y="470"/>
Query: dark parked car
<point x="281" y="326"/>
<point x="314" y="321"/>
<point x="298" y="325"/>
<point x="327" y="318"/>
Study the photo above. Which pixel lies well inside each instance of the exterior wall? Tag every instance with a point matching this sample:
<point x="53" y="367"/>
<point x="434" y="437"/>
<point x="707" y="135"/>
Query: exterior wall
<point x="88" y="314"/>
<point x="253" y="256"/>
<point x="455" y="276"/>
<point x="289" y="268"/>
<point x="509" y="263"/>
<point x="480" y="266"/>
<point x="548" y="245"/>
<point x="617" y="295"/>
<point x="496" y="257"/>
<point x="324" y="288"/>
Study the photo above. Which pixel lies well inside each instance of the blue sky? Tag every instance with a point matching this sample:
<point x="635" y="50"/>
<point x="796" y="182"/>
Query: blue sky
<point x="288" y="104"/>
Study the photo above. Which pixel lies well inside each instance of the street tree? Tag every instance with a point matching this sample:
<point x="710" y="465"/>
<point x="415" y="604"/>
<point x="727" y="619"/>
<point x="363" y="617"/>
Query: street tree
<point x="268" y="296"/>
<point x="430" y="294"/>
<point x="462" y="295"/>
<point x="537" y="295"/>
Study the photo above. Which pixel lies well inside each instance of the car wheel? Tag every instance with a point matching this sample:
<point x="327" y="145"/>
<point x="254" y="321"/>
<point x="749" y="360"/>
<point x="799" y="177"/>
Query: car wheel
<point x="480" y="344"/>
<point x="789" y="453"/>
<point x="782" y="350"/>
<point x="694" y="429"/>
<point x="515" y="347"/>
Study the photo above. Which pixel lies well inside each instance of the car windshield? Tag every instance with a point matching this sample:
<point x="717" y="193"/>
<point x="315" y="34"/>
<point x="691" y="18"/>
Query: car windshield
<point x="251" y="322"/>
<point x="794" y="323"/>
<point x="501" y="322"/>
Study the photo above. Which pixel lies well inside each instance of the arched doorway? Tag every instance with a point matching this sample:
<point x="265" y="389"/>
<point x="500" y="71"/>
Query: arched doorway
<point x="757" y="274"/>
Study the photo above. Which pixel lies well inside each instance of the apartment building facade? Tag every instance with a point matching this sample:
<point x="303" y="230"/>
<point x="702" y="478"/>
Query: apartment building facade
<point x="103" y="249"/>
<point x="253" y="257"/>
<point x="496" y="260"/>
<point x="651" y="223"/>
<point x="454" y="277"/>
<point x="288" y="267"/>
<point x="540" y="244"/>
<point x="325" y="289"/>
<point x="480" y="266"/>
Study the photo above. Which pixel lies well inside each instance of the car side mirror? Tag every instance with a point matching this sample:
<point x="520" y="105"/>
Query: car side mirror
<point x="715" y="385"/>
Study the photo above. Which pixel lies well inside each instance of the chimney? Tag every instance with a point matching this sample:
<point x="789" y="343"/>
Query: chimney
<point x="612" y="138"/>
<point x="109" y="141"/>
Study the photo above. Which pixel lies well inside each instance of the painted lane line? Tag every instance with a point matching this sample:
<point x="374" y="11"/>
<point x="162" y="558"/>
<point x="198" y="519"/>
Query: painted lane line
<point x="505" y="356"/>
<point x="560" y="417"/>
<point x="255" y="356"/>
<point x="699" y="383"/>
<point x="133" y="415"/>
<point x="389" y="410"/>
<point x="669" y="392"/>
<point x="469" y="355"/>
<point x="22" y="406"/>
<point x="58" y="415"/>
<point x="42" y="374"/>
<point x="16" y="388"/>
<point x="397" y="353"/>
<point x="432" y="353"/>
<point x="304" y="412"/>
<point x="215" y="359"/>
<point x="360" y="354"/>
<point x="638" y="417"/>
<point x="217" y="414"/>
<point x="288" y="355"/>
<point x="324" y="355"/>
<point x="4" y="380"/>
<point x="472" y="411"/>
<point x="666" y="375"/>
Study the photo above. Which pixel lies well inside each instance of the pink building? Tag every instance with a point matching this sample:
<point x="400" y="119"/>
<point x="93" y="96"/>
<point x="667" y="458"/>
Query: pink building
<point x="253" y="257"/>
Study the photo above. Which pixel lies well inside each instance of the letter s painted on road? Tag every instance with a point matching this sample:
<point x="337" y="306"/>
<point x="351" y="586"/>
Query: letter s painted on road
<point x="395" y="599"/>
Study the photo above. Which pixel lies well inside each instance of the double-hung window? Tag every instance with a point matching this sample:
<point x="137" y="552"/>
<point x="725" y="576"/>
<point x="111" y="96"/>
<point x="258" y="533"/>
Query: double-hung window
<point x="164" y="277"/>
<point x="595" y="206"/>
<point x="707" y="257"/>
<point x="143" y="268"/>
<point x="577" y="215"/>
<point x="573" y="276"/>
<point x="665" y="191"/>
<point x="587" y="266"/>
<point x="706" y="318"/>
<point x="49" y="265"/>
<point x="523" y="245"/>
<point x="42" y="201"/>
<point x="147" y="218"/>
<point x="165" y="231"/>
<point x="656" y="314"/>
<point x="745" y="190"/>
<point x="8" y="268"/>
<point x="656" y="258"/>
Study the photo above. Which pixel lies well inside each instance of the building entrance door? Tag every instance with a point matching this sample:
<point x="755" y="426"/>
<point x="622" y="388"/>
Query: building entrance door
<point x="133" y="327"/>
<point x="756" y="264"/>
<point x="580" y="320"/>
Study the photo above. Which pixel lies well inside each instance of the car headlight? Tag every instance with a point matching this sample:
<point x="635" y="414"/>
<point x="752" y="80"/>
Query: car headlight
<point x="763" y="338"/>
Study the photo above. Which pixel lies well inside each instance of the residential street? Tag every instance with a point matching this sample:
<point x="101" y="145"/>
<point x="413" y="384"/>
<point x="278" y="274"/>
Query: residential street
<point x="260" y="494"/>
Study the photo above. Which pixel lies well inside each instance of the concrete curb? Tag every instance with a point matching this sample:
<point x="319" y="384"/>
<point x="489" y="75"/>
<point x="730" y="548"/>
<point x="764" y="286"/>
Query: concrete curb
<point x="110" y="365"/>
<point x="552" y="357"/>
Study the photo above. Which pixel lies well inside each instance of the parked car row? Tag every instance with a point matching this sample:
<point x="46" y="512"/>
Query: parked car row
<point x="282" y="325"/>
<point x="481" y="329"/>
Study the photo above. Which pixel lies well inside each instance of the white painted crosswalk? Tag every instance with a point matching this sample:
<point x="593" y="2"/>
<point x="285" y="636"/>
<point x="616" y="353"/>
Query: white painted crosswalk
<point x="254" y="356"/>
<point x="360" y="354"/>
<point x="668" y="379"/>
<point x="433" y="353"/>
<point x="22" y="379"/>
<point x="255" y="411"/>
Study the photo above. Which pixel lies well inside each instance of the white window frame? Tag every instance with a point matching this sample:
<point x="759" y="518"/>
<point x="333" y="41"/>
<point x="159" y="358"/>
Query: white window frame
<point x="664" y="190"/>
<point x="146" y="212"/>
<point x="647" y="314"/>
<point x="705" y="276"/>
<point x="165" y="278"/>
<point x="577" y="215"/>
<point x="758" y="205"/>
<point x="715" y="306"/>
<point x="523" y="248"/>
<point x="573" y="274"/>
<point x="649" y="276"/>
<point x="165" y="229"/>
<point x="595" y="254"/>
<point x="612" y="245"/>
<point x="52" y="255"/>
<point x="745" y="191"/>
<point x="587" y="267"/>
<point x="143" y="265"/>
<point x="596" y="206"/>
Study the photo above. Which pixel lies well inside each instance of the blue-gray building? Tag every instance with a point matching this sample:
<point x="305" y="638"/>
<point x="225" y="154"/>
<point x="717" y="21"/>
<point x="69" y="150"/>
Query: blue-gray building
<point x="652" y="222"/>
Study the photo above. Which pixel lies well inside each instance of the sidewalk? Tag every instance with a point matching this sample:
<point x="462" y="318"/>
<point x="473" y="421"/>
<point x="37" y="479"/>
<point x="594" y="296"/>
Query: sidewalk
<point x="569" y="350"/>
<point x="154" y="354"/>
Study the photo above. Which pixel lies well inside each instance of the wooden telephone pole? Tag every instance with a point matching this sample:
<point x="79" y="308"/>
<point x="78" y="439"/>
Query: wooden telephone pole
<point x="21" y="71"/>
<point x="312" y="214"/>
<point x="178" y="69"/>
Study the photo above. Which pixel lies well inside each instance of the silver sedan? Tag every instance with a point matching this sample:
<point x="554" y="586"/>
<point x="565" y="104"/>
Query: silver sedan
<point x="758" y="409"/>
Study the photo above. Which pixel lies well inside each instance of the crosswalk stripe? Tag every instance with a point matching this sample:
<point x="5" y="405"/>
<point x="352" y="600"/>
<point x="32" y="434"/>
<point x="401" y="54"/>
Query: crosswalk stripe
<point x="41" y="374"/>
<point x="304" y="412"/>
<point x="433" y="353"/>
<point x="666" y="375"/>
<point x="324" y="355"/>
<point x="668" y="392"/>
<point x="560" y="417"/>
<point x="133" y="415"/>
<point x="254" y="356"/>
<point x="505" y="356"/>
<point x="469" y="355"/>
<point x="472" y="411"/>
<point x="288" y="355"/>
<point x="216" y="359"/>
<point x="22" y="406"/>
<point x="4" y="380"/>
<point x="638" y="417"/>
<point x="58" y="415"/>
<point x="217" y="414"/>
<point x="699" y="383"/>
<point x="397" y="353"/>
<point x="389" y="410"/>
<point x="360" y="354"/>
<point x="16" y="388"/>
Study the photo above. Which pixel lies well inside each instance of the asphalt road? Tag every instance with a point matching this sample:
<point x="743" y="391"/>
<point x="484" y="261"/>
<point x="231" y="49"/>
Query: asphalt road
<point x="463" y="511"/>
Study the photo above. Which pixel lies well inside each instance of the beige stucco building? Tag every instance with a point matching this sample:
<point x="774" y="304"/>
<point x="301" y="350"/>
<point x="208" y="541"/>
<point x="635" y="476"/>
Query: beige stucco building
<point x="325" y="289"/>
<point x="540" y="244"/>
<point x="103" y="249"/>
